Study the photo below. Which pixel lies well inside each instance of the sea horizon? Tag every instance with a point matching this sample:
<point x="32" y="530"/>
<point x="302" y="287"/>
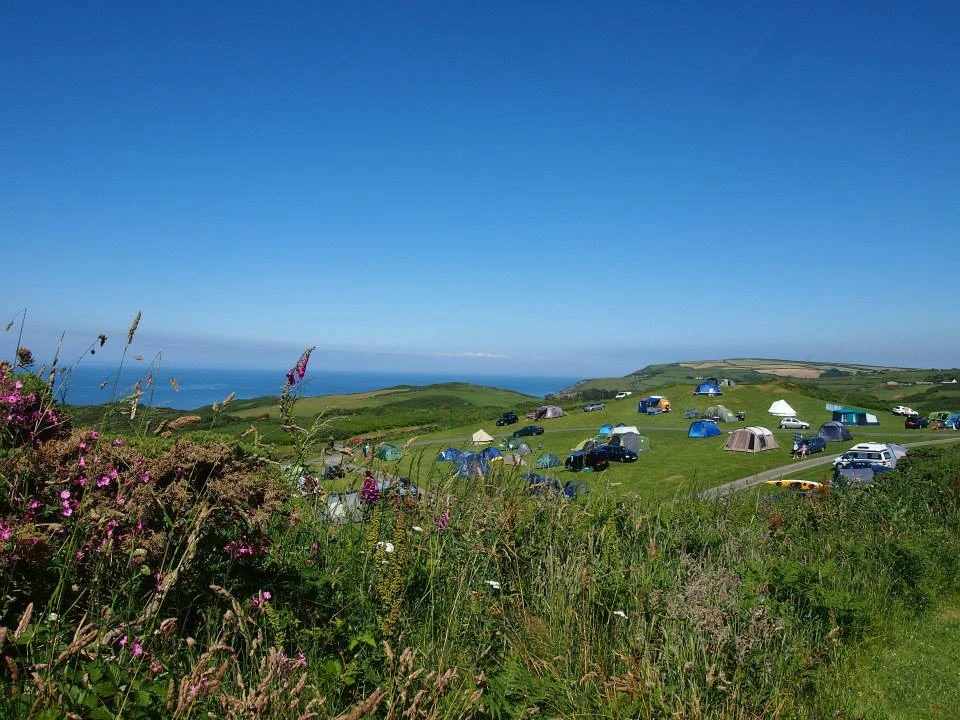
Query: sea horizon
<point x="192" y="388"/>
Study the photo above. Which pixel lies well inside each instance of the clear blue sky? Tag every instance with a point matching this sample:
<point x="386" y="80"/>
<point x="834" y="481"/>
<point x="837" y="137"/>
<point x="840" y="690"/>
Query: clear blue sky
<point x="556" y="188"/>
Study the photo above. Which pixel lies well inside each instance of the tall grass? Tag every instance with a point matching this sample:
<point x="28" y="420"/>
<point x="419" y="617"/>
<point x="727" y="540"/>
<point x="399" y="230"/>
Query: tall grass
<point x="182" y="579"/>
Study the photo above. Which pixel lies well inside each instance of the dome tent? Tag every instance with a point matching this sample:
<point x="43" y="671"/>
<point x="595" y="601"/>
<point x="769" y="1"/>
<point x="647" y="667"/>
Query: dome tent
<point x="751" y="440"/>
<point x="703" y="429"/>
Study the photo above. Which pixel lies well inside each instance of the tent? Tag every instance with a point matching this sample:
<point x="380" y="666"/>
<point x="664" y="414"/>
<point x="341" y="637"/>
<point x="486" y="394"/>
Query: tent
<point x="481" y="436"/>
<point x="751" y="439"/>
<point x="545" y="412"/>
<point x="490" y="453"/>
<point x="523" y="449"/>
<point x="653" y="404"/>
<point x="605" y="430"/>
<point x="548" y="461"/>
<point x="511" y="443"/>
<point x="470" y="465"/>
<point x="584" y="445"/>
<point x="512" y="458"/>
<point x="448" y="455"/>
<point x="703" y="429"/>
<point x="782" y="409"/>
<point x="621" y="429"/>
<point x="852" y="416"/>
<point x="710" y="386"/>
<point x="388" y="452"/>
<point x="834" y="431"/>
<point x="720" y="413"/>
<point x="631" y="441"/>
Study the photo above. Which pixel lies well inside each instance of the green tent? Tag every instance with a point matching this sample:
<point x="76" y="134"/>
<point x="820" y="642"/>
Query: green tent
<point x="548" y="461"/>
<point x="584" y="444"/>
<point x="388" y="452"/>
<point x="720" y="413"/>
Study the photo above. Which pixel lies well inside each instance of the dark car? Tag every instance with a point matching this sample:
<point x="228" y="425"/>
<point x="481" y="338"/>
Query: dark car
<point x="617" y="453"/>
<point x="528" y="430"/>
<point x="814" y="444"/>
<point x="507" y="419"/>
<point x="593" y="460"/>
<point x="916" y="422"/>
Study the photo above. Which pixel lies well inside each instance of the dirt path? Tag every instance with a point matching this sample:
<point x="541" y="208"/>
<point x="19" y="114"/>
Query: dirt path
<point x="784" y="470"/>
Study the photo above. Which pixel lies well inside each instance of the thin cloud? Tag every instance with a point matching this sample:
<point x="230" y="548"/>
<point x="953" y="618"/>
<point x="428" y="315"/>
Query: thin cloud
<point x="484" y="355"/>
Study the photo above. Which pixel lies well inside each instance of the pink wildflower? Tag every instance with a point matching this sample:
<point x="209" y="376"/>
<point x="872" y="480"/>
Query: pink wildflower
<point x="82" y="462"/>
<point x="64" y="494"/>
<point x="67" y="510"/>
<point x="137" y="649"/>
<point x="117" y="442"/>
<point x="5" y="531"/>
<point x="123" y="641"/>
<point x="94" y="435"/>
<point x="155" y="667"/>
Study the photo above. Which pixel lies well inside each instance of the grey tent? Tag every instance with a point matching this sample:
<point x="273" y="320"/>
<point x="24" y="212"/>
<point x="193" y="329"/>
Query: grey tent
<point x="523" y="449"/>
<point x="720" y="413"/>
<point x="512" y="458"/>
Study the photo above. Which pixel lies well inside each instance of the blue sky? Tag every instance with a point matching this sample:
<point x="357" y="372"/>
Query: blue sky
<point x="554" y="188"/>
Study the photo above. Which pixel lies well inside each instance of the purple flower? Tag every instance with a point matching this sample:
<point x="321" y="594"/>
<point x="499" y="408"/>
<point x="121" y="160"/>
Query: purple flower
<point x="5" y="531"/>
<point x="369" y="492"/>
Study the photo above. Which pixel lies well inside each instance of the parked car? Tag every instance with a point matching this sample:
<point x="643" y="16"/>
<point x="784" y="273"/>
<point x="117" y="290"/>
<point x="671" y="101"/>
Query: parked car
<point x="903" y="410"/>
<point x="617" y="453"/>
<point x="792" y="423"/>
<point x="814" y="444"/>
<point x="507" y="419"/>
<point x="528" y="430"/>
<point x="586" y="460"/>
<point x="915" y="422"/>
<point x="623" y="394"/>
<point x="591" y="407"/>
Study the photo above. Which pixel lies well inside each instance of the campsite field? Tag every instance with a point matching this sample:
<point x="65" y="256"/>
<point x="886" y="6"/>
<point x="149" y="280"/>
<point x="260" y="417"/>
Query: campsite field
<point x="675" y="465"/>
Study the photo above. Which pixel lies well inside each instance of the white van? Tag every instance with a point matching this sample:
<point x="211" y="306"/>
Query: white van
<point x="873" y="453"/>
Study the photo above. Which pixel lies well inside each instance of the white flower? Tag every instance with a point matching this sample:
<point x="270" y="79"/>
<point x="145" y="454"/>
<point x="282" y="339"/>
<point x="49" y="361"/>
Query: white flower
<point x="493" y="583"/>
<point x="621" y="614"/>
<point x="417" y="528"/>
<point x="387" y="546"/>
<point x="53" y="617"/>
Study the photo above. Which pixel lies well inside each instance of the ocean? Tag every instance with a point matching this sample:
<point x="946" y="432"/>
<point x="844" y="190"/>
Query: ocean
<point x="199" y="387"/>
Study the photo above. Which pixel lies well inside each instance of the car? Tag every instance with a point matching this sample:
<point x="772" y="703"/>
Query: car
<point x="528" y="430"/>
<point x="814" y="444"/>
<point x="792" y="423"/>
<point x="617" y="453"/>
<point x="903" y="410"/>
<point x="507" y="419"/>
<point x="622" y="394"/>
<point x="916" y="422"/>
<point x="587" y="460"/>
<point x="591" y="407"/>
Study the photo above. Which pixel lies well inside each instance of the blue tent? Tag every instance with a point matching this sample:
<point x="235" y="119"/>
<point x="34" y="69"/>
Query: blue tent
<point x="710" y="386"/>
<point x="834" y="431"/>
<point x="448" y="455"/>
<point x="703" y="429"/>
<point x="489" y="453"/>
<point x="470" y="465"/>
<point x="605" y="429"/>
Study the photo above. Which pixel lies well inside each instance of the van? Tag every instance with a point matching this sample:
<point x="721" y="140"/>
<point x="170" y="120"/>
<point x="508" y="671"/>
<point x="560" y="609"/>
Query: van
<point x="874" y="453"/>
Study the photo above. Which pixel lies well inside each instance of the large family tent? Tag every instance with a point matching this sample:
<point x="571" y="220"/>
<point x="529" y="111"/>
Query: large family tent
<point x="834" y="432"/>
<point x="545" y="412"/>
<point x="548" y="461"/>
<point x="852" y="416"/>
<point x="388" y="452"/>
<point x="751" y="439"/>
<point x="448" y="455"/>
<point x="605" y="430"/>
<point x="710" y="386"/>
<point x="720" y="413"/>
<point x="703" y="429"/>
<point x="481" y="436"/>
<point x="653" y="404"/>
<point x="781" y="408"/>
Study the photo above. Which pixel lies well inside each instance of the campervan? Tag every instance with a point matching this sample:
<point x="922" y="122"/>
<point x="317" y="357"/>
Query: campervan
<point x="874" y="453"/>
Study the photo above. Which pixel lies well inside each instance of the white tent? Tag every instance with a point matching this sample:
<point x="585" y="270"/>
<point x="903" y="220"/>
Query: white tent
<point x="481" y="436"/>
<point x="782" y="409"/>
<point x="625" y="429"/>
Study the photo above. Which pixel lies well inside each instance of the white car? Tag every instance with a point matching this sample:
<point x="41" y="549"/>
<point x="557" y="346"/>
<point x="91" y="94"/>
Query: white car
<point x="792" y="423"/>
<point x="903" y="410"/>
<point x="622" y="394"/>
